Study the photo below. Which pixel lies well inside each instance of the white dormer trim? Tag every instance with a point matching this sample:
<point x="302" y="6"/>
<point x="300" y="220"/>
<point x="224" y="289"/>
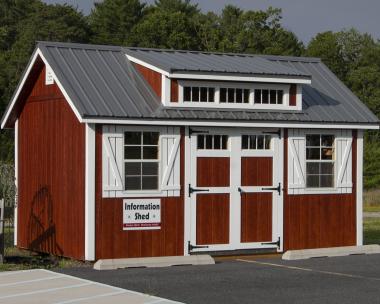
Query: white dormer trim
<point x="206" y="76"/>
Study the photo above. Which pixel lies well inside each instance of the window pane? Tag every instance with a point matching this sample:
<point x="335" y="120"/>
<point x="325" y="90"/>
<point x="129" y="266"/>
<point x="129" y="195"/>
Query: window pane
<point x="312" y="140"/>
<point x="201" y="141"/>
<point x="224" y="142"/>
<point x="312" y="168"/>
<point x="260" y="142"/>
<point x="211" y="94"/>
<point x="131" y="152"/>
<point x="265" y="96"/>
<point x="327" y="168"/>
<point x="150" y="168"/>
<point x="327" y="153"/>
<point x="132" y="138"/>
<point x="132" y="183"/>
<point x="239" y="95"/>
<point x="327" y="140"/>
<point x="150" y="153"/>
<point x="231" y="95"/>
<point x="257" y="96"/>
<point x="204" y="94"/>
<point x="313" y="153"/>
<point x="195" y="94"/>
<point x="187" y="94"/>
<point x="132" y="168"/>
<point x="252" y="142"/>
<point x="208" y="141"/>
<point x="327" y="181"/>
<point x="246" y="96"/>
<point x="280" y="95"/>
<point x="150" y="182"/>
<point x="272" y="96"/>
<point x="150" y="138"/>
<point x="244" y="142"/>
<point x="217" y="142"/>
<point x="223" y="94"/>
<point x="268" y="139"/>
<point x="312" y="181"/>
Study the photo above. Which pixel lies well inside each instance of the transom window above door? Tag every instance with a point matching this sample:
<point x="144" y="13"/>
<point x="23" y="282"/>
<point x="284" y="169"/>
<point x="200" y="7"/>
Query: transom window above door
<point x="256" y="142"/>
<point x="141" y="160"/>
<point x="212" y="142"/>
<point x="320" y="161"/>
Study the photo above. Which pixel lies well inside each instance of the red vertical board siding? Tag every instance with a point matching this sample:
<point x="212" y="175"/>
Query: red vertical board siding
<point x="152" y="77"/>
<point x="174" y="90"/>
<point x="51" y="171"/>
<point x="112" y="242"/>
<point x="256" y="171"/>
<point x="293" y="95"/>
<point x="318" y="221"/>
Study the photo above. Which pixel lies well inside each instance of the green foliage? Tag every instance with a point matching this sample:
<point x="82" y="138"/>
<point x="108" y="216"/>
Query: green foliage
<point x="179" y="24"/>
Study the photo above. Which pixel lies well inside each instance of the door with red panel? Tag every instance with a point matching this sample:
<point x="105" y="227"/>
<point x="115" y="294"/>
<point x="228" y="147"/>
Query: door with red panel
<point x="233" y="190"/>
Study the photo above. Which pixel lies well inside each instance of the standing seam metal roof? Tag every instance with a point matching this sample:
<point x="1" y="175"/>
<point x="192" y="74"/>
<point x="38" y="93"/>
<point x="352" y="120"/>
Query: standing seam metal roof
<point x="102" y="83"/>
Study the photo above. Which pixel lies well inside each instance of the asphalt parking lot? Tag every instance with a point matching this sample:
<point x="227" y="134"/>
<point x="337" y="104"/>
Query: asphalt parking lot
<point x="352" y="279"/>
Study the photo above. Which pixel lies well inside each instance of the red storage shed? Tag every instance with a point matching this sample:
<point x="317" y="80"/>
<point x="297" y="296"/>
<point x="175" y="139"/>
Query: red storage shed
<point x="132" y="152"/>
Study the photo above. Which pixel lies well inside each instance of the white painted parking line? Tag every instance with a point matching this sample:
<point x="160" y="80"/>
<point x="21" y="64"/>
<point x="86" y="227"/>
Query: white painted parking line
<point x="30" y="281"/>
<point x="47" y="287"/>
<point x="92" y="297"/>
<point x="353" y="276"/>
<point x="44" y="291"/>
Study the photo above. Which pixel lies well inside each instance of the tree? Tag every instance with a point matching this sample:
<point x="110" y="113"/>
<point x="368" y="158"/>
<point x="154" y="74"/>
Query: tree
<point x="112" y="21"/>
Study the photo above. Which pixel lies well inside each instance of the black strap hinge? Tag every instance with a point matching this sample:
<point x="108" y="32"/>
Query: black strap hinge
<point x="192" y="247"/>
<point x="192" y="190"/>
<point x="278" y="132"/>
<point x="277" y="243"/>
<point x="278" y="188"/>
<point x="191" y="132"/>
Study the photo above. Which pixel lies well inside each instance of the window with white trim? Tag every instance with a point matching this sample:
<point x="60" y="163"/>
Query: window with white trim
<point x="198" y="94"/>
<point x="234" y="95"/>
<point x="212" y="142"/>
<point x="266" y="96"/>
<point x="256" y="142"/>
<point x="141" y="160"/>
<point x="320" y="160"/>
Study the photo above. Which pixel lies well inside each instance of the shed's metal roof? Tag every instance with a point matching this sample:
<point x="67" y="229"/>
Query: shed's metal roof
<point x="192" y="61"/>
<point x="102" y="83"/>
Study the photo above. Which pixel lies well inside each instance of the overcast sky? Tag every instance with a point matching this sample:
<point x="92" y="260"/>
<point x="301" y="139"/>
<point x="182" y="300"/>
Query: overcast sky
<point x="304" y="17"/>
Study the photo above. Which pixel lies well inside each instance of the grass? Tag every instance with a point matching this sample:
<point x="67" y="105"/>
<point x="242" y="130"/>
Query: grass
<point x="372" y="231"/>
<point x="371" y="200"/>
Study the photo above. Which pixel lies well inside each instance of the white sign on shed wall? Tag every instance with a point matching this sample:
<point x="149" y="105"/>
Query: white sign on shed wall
<point x="141" y="214"/>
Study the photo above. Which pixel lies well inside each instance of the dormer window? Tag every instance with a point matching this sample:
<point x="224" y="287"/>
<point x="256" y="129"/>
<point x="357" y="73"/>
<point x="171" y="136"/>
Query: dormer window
<point x="234" y="95"/>
<point x="263" y="96"/>
<point x="198" y="94"/>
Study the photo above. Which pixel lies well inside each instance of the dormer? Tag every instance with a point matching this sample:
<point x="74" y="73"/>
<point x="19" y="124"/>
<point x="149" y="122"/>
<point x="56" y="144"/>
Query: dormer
<point x="186" y="79"/>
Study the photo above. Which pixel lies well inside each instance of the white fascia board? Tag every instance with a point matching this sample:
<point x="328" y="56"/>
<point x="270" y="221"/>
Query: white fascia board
<point x="147" y="65"/>
<point x="279" y="79"/>
<point x="60" y="86"/>
<point x="359" y="189"/>
<point x="227" y="123"/>
<point x="37" y="53"/>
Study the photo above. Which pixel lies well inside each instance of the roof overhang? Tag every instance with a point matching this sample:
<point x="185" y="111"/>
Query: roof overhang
<point x="240" y="124"/>
<point x="5" y="122"/>
<point x="201" y="75"/>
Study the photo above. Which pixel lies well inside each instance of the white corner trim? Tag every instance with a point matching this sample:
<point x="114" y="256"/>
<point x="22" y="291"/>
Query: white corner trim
<point x="16" y="184"/>
<point x="359" y="189"/>
<point x="35" y="55"/>
<point x="147" y="65"/>
<point x="90" y="193"/>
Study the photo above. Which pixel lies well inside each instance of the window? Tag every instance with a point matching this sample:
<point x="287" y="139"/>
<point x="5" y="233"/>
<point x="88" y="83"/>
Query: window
<point x="212" y="142"/>
<point x="234" y="95"/>
<point x="198" y="94"/>
<point x="264" y="96"/>
<point x="141" y="160"/>
<point x="320" y="158"/>
<point x="256" y="142"/>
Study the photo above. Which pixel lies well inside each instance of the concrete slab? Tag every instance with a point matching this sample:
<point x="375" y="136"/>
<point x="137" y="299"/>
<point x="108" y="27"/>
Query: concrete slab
<point x="45" y="287"/>
<point x="330" y="252"/>
<point x="109" y="264"/>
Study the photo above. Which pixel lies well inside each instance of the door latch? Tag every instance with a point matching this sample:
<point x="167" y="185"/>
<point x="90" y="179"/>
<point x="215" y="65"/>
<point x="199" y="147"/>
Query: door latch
<point x="278" y="188"/>
<point x="192" y="190"/>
